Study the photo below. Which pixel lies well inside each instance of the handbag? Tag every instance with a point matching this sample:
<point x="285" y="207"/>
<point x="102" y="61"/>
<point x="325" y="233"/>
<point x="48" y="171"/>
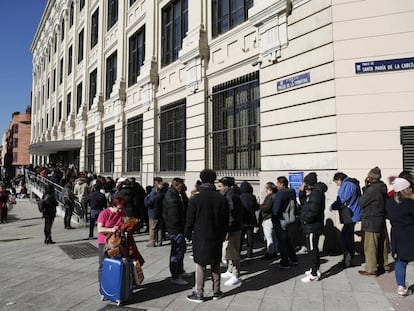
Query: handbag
<point x="114" y="245"/>
<point x="345" y="214"/>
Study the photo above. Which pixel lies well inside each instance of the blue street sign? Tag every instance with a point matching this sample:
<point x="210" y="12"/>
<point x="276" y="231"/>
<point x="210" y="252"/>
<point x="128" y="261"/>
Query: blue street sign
<point x="385" y="65"/>
<point x="295" y="181"/>
<point x="293" y="81"/>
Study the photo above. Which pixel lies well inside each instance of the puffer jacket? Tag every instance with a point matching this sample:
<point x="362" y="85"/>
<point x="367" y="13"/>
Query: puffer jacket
<point x="235" y="209"/>
<point x="313" y="208"/>
<point x="372" y="203"/>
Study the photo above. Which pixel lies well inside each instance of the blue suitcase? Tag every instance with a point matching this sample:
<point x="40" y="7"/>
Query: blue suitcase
<point x="116" y="283"/>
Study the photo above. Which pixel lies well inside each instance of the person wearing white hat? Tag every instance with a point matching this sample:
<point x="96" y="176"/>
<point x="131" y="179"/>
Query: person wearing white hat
<point x="400" y="211"/>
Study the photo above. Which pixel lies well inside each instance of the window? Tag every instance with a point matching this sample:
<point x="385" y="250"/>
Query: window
<point x="174" y="29"/>
<point x="61" y="71"/>
<point x="68" y="102"/>
<point x="227" y="14"/>
<point x="78" y="97"/>
<point x="131" y="2"/>
<point x="90" y="152"/>
<point x="94" y="28"/>
<point x="80" y="46"/>
<point x="54" y="80"/>
<point x="14" y="157"/>
<point x="173" y="137"/>
<point x="70" y="54"/>
<point x="407" y="142"/>
<point x="60" y="111"/>
<point x="62" y="30"/>
<point x="134" y="144"/>
<point x="48" y="88"/>
<point x="71" y="11"/>
<point x="47" y="121"/>
<point x="108" y="149"/>
<point x="55" y="44"/>
<point x="92" y="87"/>
<point x="53" y="116"/>
<point x="236" y="124"/>
<point x="110" y="74"/>
<point x="15" y="143"/>
<point x="15" y="128"/>
<point x="136" y="55"/>
<point x="112" y="13"/>
<point x="81" y="4"/>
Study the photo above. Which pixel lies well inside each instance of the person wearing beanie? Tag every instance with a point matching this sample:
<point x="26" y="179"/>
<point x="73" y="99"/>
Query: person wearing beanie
<point x="312" y="201"/>
<point x="400" y="211"/>
<point x="372" y="202"/>
<point x="227" y="188"/>
<point x="206" y="225"/>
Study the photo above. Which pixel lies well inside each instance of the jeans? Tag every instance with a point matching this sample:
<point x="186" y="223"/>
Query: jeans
<point x="348" y="239"/>
<point x="101" y="255"/>
<point x="249" y="232"/>
<point x="92" y="221"/>
<point x="285" y="245"/>
<point x="400" y="271"/>
<point x="178" y="247"/>
<point x="269" y="233"/>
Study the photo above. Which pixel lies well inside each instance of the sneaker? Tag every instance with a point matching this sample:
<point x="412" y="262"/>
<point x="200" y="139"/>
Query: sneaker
<point x="404" y="291"/>
<point x="151" y="244"/>
<point x="226" y="275"/>
<point x="282" y="266"/>
<point x="195" y="297"/>
<point x="179" y="281"/>
<point x="309" y="278"/>
<point x="218" y="295"/>
<point x="233" y="281"/>
<point x="309" y="272"/>
<point x="303" y="250"/>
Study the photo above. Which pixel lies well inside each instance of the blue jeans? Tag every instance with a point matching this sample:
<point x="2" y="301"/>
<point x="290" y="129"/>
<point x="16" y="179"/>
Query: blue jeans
<point x="178" y="247"/>
<point x="400" y="271"/>
<point x="92" y="221"/>
<point x="347" y="238"/>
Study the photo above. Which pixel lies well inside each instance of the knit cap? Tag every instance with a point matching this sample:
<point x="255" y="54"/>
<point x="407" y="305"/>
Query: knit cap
<point x="311" y="179"/>
<point x="375" y="173"/>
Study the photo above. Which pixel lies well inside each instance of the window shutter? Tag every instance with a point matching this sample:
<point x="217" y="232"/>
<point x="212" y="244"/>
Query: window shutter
<point x="407" y="141"/>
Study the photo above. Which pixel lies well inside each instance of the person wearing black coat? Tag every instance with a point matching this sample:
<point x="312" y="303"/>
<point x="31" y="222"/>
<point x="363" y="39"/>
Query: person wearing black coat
<point x="250" y="206"/>
<point x="154" y="203"/>
<point x="49" y="212"/>
<point x="97" y="202"/>
<point x="312" y="200"/>
<point x="207" y="226"/>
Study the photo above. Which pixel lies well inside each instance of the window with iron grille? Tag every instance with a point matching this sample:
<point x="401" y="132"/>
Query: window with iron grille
<point x="80" y="47"/>
<point x="173" y="137"/>
<point x="68" y="103"/>
<point x="407" y="142"/>
<point x="108" y="149"/>
<point x="94" y="28"/>
<point x="174" y="29"/>
<point x="134" y="144"/>
<point x="110" y="74"/>
<point x="227" y="14"/>
<point x="236" y="124"/>
<point x="78" y="97"/>
<point x="90" y="152"/>
<point x="112" y="13"/>
<point x="136" y="55"/>
<point x="92" y="86"/>
<point x="70" y="56"/>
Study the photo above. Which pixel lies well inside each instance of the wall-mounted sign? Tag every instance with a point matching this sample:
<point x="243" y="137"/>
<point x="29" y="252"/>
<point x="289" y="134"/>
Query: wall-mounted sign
<point x="295" y="181"/>
<point x="385" y="65"/>
<point x="293" y="81"/>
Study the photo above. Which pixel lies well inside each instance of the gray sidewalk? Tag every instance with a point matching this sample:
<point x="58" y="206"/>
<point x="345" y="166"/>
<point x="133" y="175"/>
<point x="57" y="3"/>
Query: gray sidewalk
<point x="35" y="276"/>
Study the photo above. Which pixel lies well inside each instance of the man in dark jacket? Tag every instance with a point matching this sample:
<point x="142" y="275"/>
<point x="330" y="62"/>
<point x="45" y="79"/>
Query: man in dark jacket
<point x="174" y="214"/>
<point x="312" y="200"/>
<point x="250" y="206"/>
<point x="97" y="202"/>
<point x="281" y="201"/>
<point x="231" y="192"/>
<point x="153" y="202"/>
<point x="372" y="203"/>
<point x="206" y="226"/>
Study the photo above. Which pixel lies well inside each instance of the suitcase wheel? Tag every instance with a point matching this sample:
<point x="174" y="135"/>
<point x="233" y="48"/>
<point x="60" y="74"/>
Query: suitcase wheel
<point x="102" y="298"/>
<point x="118" y="303"/>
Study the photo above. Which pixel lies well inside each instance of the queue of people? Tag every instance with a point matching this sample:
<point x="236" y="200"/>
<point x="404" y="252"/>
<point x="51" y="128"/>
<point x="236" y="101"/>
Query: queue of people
<point x="218" y="217"/>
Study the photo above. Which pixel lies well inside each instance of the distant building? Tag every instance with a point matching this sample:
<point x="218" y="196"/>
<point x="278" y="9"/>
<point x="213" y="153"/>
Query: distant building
<point x="16" y="143"/>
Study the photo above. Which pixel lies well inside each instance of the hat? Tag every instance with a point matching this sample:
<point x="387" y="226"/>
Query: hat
<point x="400" y="184"/>
<point x="227" y="181"/>
<point x="375" y="173"/>
<point x="311" y="179"/>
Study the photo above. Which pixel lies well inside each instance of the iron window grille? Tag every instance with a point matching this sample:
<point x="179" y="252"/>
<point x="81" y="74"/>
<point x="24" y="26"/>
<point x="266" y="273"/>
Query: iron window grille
<point x="172" y="144"/>
<point x="174" y="29"/>
<point x="227" y="14"/>
<point x="110" y="74"/>
<point x="90" y="152"/>
<point x="108" y="149"/>
<point x="112" y="13"/>
<point x="236" y="124"/>
<point x="136" y="55"/>
<point x="134" y="144"/>
<point x="407" y="142"/>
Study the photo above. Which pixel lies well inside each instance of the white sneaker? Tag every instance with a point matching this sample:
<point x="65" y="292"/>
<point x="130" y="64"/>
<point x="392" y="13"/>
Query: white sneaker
<point x="303" y="250"/>
<point x="233" y="281"/>
<point x="309" y="272"/>
<point x="309" y="278"/>
<point x="179" y="281"/>
<point x="226" y="275"/>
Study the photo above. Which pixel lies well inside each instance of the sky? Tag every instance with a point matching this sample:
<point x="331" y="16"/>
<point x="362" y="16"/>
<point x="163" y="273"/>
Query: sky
<point x="18" y="24"/>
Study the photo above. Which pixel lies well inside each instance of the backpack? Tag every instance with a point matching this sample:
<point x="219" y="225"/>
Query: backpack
<point x="41" y="205"/>
<point x="289" y="215"/>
